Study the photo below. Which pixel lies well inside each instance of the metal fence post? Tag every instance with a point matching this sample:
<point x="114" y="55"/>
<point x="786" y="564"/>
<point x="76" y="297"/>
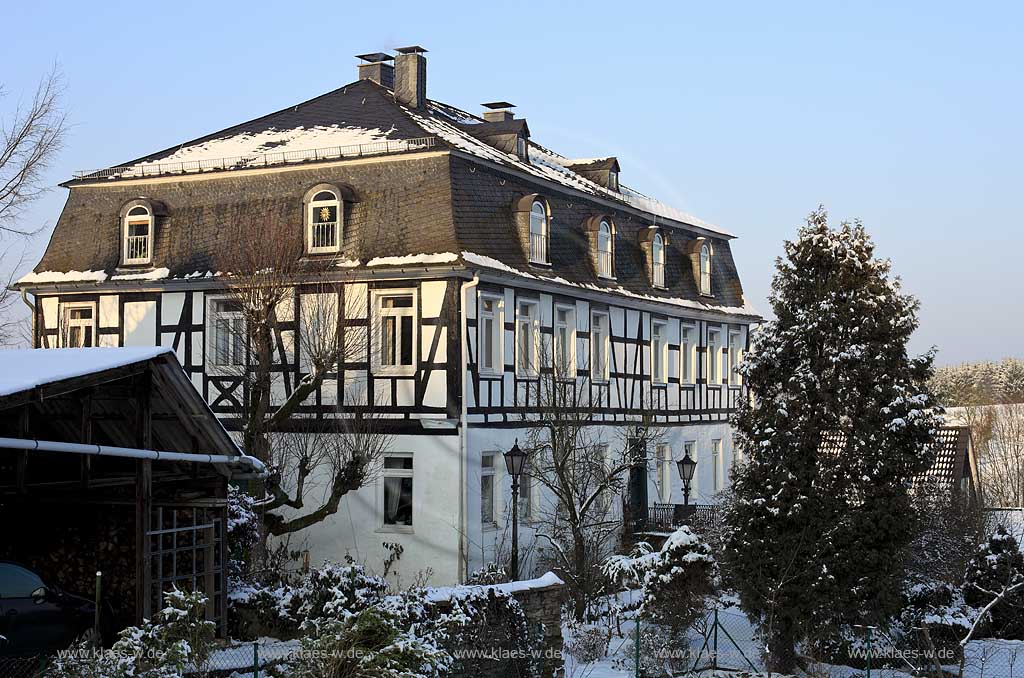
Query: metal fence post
<point x="714" y="645"/>
<point x="255" y="659"/>
<point x="869" y="654"/>
<point x="97" y="641"/>
<point x="636" y="648"/>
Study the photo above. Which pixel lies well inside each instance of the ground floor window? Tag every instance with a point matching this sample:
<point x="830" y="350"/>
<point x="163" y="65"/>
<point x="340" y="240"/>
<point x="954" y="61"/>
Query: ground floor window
<point x="79" y="325"/>
<point x="525" y="496"/>
<point x="664" y="473"/>
<point x="716" y="465"/>
<point x="487" y="488"/>
<point x="398" y="479"/>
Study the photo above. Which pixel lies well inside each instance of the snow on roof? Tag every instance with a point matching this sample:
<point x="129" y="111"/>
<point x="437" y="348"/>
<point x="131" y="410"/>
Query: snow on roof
<point x="25" y="369"/>
<point x="410" y="259"/>
<point x="44" y="277"/>
<point x="298" y="138"/>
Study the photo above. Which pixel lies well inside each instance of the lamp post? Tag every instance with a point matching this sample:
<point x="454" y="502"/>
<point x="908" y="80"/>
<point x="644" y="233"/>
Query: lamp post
<point x="686" y="466"/>
<point x="515" y="461"/>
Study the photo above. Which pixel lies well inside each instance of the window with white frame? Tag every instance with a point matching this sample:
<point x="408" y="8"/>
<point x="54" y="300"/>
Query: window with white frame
<point x="487" y="488"/>
<point x="687" y="351"/>
<point x="690" y="449"/>
<point x="79" y="325"/>
<point x="522" y="149"/>
<point x="603" y="503"/>
<point x="490" y="330"/>
<point x="605" y="250"/>
<point x="539" y="223"/>
<point x="398" y="488"/>
<point x="613" y="180"/>
<point x="658" y="261"/>
<point x="600" y="345"/>
<point x="659" y="352"/>
<point x="714" y="357"/>
<point x="323" y="220"/>
<point x="526" y="338"/>
<point x="565" y="342"/>
<point x="735" y="353"/>
<point x="138" y="236"/>
<point x="705" y="269"/>
<point x="716" y="465"/>
<point x="227" y="333"/>
<point x="663" y="468"/>
<point x="395" y="350"/>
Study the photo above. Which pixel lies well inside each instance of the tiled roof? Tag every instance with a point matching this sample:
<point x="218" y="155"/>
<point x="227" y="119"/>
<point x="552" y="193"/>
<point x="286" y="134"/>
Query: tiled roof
<point x="949" y="460"/>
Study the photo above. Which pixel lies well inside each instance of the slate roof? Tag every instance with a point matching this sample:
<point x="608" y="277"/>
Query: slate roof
<point x="465" y="211"/>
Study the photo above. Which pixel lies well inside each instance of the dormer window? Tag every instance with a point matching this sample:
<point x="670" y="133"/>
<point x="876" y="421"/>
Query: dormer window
<point x="138" y="236"/>
<point x="323" y="220"/>
<point x="613" y="180"/>
<point x="522" y="149"/>
<point x="658" y="261"/>
<point x="539" y="224"/>
<point x="705" y="269"/>
<point x="605" y="245"/>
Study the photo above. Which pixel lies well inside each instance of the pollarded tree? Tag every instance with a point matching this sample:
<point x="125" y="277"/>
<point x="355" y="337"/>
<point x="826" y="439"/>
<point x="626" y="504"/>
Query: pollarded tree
<point x="817" y="530"/>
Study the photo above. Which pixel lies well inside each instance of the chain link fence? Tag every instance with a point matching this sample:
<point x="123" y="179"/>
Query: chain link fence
<point x="23" y="667"/>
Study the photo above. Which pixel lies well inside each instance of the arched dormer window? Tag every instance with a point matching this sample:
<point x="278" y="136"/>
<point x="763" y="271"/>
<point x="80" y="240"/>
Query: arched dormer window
<point x="138" y="236"/>
<point x="705" y="269"/>
<point x="658" y="261"/>
<point x="605" y="250"/>
<point x="324" y="222"/>
<point x="539" y="226"/>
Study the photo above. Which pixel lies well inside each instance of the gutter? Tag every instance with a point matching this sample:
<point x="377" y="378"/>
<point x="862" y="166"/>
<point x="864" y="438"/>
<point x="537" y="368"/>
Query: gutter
<point x="464" y="431"/>
<point x="253" y="465"/>
<point x="32" y="308"/>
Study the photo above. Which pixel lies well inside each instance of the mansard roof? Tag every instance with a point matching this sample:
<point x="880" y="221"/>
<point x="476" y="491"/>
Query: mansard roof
<point x="456" y="205"/>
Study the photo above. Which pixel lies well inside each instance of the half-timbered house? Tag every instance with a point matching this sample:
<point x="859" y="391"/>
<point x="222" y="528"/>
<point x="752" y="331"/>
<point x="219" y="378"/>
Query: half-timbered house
<point x="467" y="247"/>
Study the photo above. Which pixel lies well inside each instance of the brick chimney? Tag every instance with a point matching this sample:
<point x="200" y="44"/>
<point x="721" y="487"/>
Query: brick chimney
<point x="376" y="67"/>
<point x="411" y="76"/>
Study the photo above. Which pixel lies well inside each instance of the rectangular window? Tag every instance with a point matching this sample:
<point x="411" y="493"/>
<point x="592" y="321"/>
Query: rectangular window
<point x="398" y="477"/>
<point x="79" y="329"/>
<point x="603" y="503"/>
<point x="136" y="241"/>
<point x="664" y="471"/>
<point x="716" y="465"/>
<point x="490" y="335"/>
<point x="324" y="219"/>
<point x="526" y="339"/>
<point x="659" y="352"/>
<point x="396" y="332"/>
<point x="227" y="333"/>
<point x="565" y="342"/>
<point x="734" y="357"/>
<point x="714" y="357"/>
<point x="687" y="333"/>
<point x="487" y="489"/>
<point x="599" y="347"/>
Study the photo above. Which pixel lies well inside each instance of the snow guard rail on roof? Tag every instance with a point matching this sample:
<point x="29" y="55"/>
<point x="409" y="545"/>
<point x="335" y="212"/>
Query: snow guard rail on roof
<point x="156" y="168"/>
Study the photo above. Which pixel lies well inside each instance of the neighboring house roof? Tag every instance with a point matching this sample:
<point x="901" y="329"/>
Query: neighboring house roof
<point x="42" y="376"/>
<point x="951" y="458"/>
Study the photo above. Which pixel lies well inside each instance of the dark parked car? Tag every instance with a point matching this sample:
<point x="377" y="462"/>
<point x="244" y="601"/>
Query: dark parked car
<point x="36" y="618"/>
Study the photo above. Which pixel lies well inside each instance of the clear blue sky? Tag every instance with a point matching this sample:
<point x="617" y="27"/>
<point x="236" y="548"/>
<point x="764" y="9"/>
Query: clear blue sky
<point x="747" y="115"/>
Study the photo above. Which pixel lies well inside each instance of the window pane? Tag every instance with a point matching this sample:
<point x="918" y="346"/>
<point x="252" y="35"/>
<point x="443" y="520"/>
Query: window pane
<point x="487" y="498"/>
<point x="487" y="341"/>
<point x="397" y="501"/>
<point x="398" y="463"/>
<point x="404" y="301"/>
<point x="324" y="195"/>
<point x="387" y="342"/>
<point x="407" y="348"/>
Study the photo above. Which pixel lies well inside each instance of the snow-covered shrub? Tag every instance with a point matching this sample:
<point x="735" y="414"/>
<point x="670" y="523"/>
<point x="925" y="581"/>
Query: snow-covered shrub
<point x="243" y="534"/>
<point x="586" y="643"/>
<point x="176" y="641"/>
<point x="676" y="580"/>
<point x="941" y="608"/>
<point x="997" y="566"/>
<point x="491" y="573"/>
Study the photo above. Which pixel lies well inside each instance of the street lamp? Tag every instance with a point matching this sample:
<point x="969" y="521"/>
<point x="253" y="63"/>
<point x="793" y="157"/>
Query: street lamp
<point x="686" y="468"/>
<point x="515" y="460"/>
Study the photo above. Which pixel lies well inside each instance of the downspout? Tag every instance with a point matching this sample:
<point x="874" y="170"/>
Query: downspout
<point x="32" y="308"/>
<point x="463" y="432"/>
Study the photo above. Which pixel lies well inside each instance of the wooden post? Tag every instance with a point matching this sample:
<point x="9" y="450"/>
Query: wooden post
<point x="21" y="471"/>
<point x="143" y="499"/>
<point x="86" y="461"/>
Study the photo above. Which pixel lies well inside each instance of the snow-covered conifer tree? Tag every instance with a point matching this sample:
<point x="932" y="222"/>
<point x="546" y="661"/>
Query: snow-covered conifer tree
<point x="838" y="425"/>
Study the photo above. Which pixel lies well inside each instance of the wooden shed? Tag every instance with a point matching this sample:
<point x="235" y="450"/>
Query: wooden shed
<point x="111" y="461"/>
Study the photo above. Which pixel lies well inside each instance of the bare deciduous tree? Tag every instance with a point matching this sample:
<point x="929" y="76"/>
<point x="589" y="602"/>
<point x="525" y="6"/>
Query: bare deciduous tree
<point x="30" y="139"/>
<point x="583" y="477"/>
<point x="312" y="460"/>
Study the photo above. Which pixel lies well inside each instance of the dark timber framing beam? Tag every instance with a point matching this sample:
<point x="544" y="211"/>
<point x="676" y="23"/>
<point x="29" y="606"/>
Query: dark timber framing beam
<point x="143" y="498"/>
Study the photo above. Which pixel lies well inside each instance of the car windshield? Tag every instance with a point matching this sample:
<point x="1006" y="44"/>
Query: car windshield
<point x="17" y="582"/>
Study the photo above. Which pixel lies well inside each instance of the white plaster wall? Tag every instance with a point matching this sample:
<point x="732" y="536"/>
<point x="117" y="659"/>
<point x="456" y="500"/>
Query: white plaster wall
<point x="140" y="323"/>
